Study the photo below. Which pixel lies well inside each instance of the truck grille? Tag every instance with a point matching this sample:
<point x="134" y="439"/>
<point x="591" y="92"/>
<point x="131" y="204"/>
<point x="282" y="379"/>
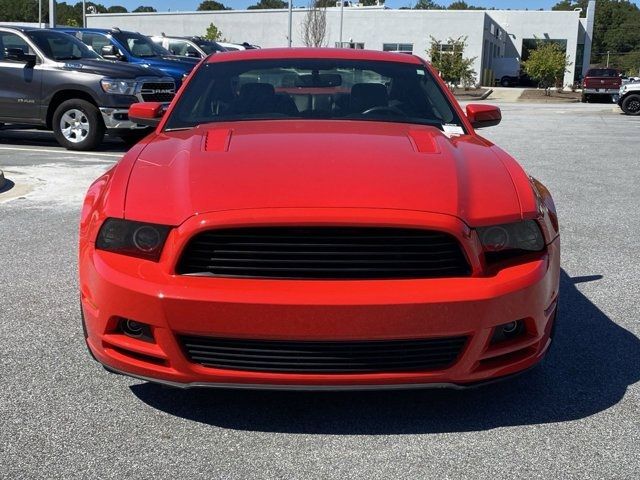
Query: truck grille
<point x="373" y="356"/>
<point x="158" y="91"/>
<point x="324" y="253"/>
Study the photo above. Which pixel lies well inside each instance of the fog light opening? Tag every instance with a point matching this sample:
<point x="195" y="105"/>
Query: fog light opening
<point x="508" y="331"/>
<point x="509" y="328"/>
<point x="134" y="329"/>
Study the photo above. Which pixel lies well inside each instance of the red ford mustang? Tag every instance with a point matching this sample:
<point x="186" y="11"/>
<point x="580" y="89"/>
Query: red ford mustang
<point x="317" y="219"/>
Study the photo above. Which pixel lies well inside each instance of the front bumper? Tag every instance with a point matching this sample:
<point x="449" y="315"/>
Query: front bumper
<point x="114" y="286"/>
<point x="118" y="118"/>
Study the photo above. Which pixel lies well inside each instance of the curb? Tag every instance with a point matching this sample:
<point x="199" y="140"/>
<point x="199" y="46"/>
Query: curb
<point x="486" y="94"/>
<point x="2" y="180"/>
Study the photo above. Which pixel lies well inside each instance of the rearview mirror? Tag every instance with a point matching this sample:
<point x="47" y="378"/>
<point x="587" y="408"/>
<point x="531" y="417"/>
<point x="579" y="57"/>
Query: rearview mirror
<point x="18" y="55"/>
<point x="482" y="116"/>
<point x="147" y="113"/>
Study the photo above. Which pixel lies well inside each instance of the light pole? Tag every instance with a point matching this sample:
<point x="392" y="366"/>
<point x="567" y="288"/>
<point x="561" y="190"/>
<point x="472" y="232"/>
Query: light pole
<point x="52" y="13"/>
<point x="39" y="13"/>
<point x="290" y="21"/>
<point x="341" y="19"/>
<point x="84" y="14"/>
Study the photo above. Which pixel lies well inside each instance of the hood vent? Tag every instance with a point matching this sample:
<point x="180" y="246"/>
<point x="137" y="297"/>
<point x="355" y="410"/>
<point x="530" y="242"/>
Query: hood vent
<point x="217" y="140"/>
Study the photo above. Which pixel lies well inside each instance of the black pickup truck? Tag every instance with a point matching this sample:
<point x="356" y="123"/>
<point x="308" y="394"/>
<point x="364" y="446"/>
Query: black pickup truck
<point x="52" y="80"/>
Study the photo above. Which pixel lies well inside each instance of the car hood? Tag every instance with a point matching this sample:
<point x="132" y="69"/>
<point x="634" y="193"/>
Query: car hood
<point x="321" y="164"/>
<point x="112" y="69"/>
<point x="174" y="62"/>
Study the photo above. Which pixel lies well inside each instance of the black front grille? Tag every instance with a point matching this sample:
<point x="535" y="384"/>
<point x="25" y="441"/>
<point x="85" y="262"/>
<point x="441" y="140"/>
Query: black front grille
<point x="323" y="357"/>
<point x="324" y="253"/>
<point x="158" y="91"/>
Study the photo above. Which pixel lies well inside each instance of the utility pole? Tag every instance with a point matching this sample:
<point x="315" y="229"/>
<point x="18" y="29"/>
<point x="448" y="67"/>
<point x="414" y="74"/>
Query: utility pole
<point x="39" y="13"/>
<point x="52" y="13"/>
<point x="290" y="21"/>
<point x="608" y="54"/>
<point x="84" y="14"/>
<point x="341" y="20"/>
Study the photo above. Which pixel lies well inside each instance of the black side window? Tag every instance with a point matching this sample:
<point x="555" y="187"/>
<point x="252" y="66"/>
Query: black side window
<point x="11" y="40"/>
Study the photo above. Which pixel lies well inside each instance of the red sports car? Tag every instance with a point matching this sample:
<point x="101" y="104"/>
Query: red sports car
<point x="317" y="219"/>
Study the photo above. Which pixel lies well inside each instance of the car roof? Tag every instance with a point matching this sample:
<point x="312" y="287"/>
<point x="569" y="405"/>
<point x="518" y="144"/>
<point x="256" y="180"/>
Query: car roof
<point x="22" y="28"/>
<point x="337" y="53"/>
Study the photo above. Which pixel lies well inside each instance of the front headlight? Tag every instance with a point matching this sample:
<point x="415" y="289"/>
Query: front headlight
<point x="511" y="239"/>
<point x="118" y="87"/>
<point x="137" y="239"/>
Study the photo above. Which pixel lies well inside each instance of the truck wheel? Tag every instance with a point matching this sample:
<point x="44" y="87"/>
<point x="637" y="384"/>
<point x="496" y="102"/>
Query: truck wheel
<point x="631" y="105"/>
<point x="77" y="125"/>
<point x="505" y="82"/>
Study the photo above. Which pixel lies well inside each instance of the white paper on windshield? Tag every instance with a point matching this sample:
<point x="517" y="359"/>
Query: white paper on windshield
<point x="451" y="130"/>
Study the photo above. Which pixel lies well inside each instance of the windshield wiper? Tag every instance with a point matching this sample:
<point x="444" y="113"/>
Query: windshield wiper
<point x="71" y="57"/>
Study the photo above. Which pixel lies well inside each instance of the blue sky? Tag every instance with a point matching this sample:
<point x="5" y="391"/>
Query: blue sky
<point x="164" y="5"/>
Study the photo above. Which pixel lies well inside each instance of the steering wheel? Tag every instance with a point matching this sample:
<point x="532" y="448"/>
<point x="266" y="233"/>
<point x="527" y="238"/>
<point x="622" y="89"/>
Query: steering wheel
<point x="385" y="109"/>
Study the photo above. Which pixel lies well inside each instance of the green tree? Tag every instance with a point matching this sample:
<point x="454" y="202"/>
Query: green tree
<point x="616" y="34"/>
<point x="117" y="9"/>
<point x="213" y="33"/>
<point x="427" y="5"/>
<point x="143" y="9"/>
<point x="263" y="4"/>
<point x="547" y="64"/>
<point x="212" y="5"/>
<point x="449" y="59"/>
<point x="460" y="5"/>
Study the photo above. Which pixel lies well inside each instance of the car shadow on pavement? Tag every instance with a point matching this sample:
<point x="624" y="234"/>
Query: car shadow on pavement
<point x="590" y="365"/>
<point x="28" y="137"/>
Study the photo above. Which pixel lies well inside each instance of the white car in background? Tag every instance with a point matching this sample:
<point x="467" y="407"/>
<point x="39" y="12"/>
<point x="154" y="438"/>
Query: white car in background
<point x="237" y="46"/>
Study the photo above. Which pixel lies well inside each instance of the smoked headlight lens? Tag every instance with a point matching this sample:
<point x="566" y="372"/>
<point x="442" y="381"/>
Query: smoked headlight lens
<point x="511" y="239"/>
<point x="144" y="240"/>
<point x="118" y="87"/>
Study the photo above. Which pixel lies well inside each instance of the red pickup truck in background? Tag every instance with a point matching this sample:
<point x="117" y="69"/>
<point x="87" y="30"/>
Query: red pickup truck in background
<point x="600" y="82"/>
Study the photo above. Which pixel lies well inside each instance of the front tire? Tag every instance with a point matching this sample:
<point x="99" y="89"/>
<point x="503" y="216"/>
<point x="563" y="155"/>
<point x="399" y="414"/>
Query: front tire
<point x="631" y="104"/>
<point x="77" y="125"/>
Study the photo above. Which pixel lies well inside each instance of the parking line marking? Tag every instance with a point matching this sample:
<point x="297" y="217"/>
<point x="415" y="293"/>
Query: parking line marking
<point x="70" y="152"/>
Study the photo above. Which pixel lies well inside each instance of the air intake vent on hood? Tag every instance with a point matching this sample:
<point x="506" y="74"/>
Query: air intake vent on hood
<point x="217" y="140"/>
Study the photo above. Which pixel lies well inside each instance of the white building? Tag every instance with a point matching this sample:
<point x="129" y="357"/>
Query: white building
<point x="497" y="39"/>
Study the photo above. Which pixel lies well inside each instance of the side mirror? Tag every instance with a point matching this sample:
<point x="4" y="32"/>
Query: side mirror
<point x="193" y="54"/>
<point x="147" y="113"/>
<point x="482" y="116"/>
<point x="110" y="51"/>
<point x="18" y="55"/>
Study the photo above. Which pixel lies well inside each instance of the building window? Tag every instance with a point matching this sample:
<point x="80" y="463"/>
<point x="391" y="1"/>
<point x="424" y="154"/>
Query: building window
<point x="397" y="47"/>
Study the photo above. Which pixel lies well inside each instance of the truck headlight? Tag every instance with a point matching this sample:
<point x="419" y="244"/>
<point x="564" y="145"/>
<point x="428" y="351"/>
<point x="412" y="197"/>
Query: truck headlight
<point x="118" y="87"/>
<point x="137" y="239"/>
<point x="511" y="239"/>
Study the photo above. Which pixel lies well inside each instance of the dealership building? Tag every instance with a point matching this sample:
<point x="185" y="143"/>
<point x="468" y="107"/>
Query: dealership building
<point x="497" y="39"/>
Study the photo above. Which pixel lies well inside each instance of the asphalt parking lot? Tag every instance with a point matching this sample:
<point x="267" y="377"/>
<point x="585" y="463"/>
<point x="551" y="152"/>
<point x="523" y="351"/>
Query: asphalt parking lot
<point x="576" y="416"/>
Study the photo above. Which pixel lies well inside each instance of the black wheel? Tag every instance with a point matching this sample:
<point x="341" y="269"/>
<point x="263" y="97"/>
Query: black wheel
<point x="133" y="137"/>
<point x="631" y="104"/>
<point x="505" y="82"/>
<point x="77" y="125"/>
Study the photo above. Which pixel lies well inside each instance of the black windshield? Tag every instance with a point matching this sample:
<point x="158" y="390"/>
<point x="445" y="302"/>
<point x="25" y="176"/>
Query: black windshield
<point x="211" y="47"/>
<point x="139" y="45"/>
<point x="313" y="89"/>
<point x="60" y="46"/>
